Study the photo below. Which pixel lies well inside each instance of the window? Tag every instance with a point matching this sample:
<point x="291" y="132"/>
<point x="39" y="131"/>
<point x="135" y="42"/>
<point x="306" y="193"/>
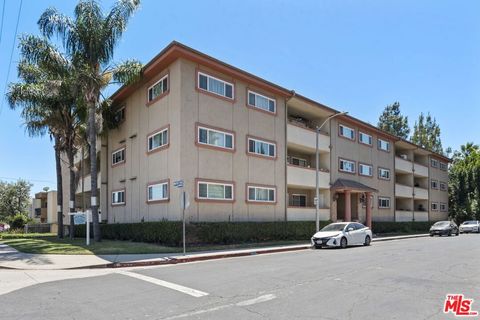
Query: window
<point x="118" y="197"/>
<point x="383" y="202"/>
<point x="215" y="138"/>
<point x="215" y="85"/>
<point x="365" y="138"/>
<point x="158" y="140"/>
<point x="365" y="170"/>
<point x="434" y="184"/>
<point x="383" y="174"/>
<point x="434" y="163"/>
<point x="363" y="200"/>
<point x="157" y="191"/>
<point x="120" y="115"/>
<point x="299" y="200"/>
<point x="434" y="206"/>
<point x="262" y="102"/>
<point x="443" y="207"/>
<point x="261" y="147"/>
<point x="297" y="161"/>
<point x="383" y="145"/>
<point x="118" y="156"/>
<point x="443" y="186"/>
<point x="347" y="166"/>
<point x="443" y="166"/>
<point x="346" y="132"/>
<point x="261" y="194"/>
<point x="214" y="191"/>
<point x="157" y="89"/>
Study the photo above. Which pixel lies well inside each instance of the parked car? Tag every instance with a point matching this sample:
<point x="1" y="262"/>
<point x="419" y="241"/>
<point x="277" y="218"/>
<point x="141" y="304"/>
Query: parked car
<point x="342" y="234"/>
<point x="444" y="228"/>
<point x="4" y="226"/>
<point x="470" y="226"/>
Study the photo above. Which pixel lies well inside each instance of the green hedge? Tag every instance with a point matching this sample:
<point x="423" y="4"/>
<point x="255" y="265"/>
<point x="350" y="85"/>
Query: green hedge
<point x="401" y="227"/>
<point x="170" y="232"/>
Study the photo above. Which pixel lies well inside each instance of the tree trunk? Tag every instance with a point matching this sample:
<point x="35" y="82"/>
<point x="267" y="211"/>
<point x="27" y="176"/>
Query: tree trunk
<point x="59" y="189"/>
<point x="71" y="165"/>
<point x="92" y="140"/>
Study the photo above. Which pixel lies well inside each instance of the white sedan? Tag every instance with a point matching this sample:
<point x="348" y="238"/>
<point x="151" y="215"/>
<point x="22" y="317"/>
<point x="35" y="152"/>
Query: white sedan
<point x="470" y="226"/>
<point x="342" y="234"/>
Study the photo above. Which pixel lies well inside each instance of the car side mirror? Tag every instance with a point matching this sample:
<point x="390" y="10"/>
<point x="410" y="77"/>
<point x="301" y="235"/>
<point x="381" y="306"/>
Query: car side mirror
<point x="350" y="229"/>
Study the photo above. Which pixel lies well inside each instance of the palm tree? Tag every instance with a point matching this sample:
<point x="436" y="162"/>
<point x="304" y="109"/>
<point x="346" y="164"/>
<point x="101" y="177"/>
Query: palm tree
<point x="47" y="96"/>
<point x="90" y="38"/>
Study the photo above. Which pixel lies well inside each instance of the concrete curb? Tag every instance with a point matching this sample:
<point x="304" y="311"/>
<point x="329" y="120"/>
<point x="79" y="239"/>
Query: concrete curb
<point x="211" y="256"/>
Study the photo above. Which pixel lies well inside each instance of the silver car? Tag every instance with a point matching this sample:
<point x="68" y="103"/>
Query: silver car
<point x="470" y="226"/>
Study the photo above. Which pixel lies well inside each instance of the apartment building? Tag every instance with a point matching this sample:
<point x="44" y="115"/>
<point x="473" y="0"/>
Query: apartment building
<point x="245" y="149"/>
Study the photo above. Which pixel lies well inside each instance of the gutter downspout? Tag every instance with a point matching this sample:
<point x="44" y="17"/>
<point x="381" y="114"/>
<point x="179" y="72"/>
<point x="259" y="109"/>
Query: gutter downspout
<point x="293" y="94"/>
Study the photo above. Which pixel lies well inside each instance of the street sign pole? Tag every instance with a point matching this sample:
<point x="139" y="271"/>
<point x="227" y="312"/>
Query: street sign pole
<point x="184" y="202"/>
<point x="87" y="224"/>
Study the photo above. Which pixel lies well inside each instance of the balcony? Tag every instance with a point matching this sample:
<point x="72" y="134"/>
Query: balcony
<point x="420" y="170"/>
<point x="87" y="181"/>
<point x="403" y="216"/>
<point x="403" y="191"/>
<point x="304" y="138"/>
<point x="307" y="214"/>
<point x="305" y="177"/>
<point x="421" y="193"/>
<point x="402" y="165"/>
<point x="420" y="215"/>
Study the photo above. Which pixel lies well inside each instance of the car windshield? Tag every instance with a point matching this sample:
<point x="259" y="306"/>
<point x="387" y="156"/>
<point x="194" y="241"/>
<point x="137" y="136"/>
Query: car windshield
<point x="470" y="222"/>
<point x="334" y="227"/>
<point x="441" y="223"/>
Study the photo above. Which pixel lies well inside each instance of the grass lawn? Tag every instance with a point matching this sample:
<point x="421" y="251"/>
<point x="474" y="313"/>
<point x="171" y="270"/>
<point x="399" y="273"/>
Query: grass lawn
<point x="49" y="244"/>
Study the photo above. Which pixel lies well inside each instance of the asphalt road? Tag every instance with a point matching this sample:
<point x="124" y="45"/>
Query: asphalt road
<point x="404" y="279"/>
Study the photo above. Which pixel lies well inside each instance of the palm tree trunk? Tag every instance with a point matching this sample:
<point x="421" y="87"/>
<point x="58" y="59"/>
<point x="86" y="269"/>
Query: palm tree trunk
<point x="92" y="140"/>
<point x="59" y="189"/>
<point x="71" y="165"/>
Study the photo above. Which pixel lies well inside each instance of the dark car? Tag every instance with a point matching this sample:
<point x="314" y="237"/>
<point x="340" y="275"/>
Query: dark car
<point x="444" y="228"/>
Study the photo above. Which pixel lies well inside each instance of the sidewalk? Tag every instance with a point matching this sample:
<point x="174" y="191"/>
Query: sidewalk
<point x="13" y="259"/>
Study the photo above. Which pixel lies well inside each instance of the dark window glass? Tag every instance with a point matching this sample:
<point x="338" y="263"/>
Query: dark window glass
<point x="271" y="195"/>
<point x="271" y="151"/>
<point x="203" y="82"/>
<point x="251" y="99"/>
<point x="271" y="105"/>
<point x="228" y="91"/>
<point x="203" y="135"/>
<point x="251" y="145"/>
<point x="228" y="141"/>
<point x="202" y="190"/>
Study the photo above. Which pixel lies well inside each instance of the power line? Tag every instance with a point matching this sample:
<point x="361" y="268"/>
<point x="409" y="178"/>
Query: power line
<point x="1" y="23"/>
<point x="11" y="54"/>
<point x="33" y="180"/>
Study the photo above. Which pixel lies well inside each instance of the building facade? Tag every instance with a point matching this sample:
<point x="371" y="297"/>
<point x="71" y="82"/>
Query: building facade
<point x="245" y="149"/>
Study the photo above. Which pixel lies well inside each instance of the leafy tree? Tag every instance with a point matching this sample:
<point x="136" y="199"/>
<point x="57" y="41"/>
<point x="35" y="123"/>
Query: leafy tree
<point x="464" y="184"/>
<point x="90" y="38"/>
<point x="426" y="133"/>
<point x="47" y="95"/>
<point x="14" y="198"/>
<point x="392" y="121"/>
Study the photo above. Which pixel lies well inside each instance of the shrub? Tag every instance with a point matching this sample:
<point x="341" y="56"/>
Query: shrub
<point x="170" y="232"/>
<point x="18" y="221"/>
<point x="400" y="227"/>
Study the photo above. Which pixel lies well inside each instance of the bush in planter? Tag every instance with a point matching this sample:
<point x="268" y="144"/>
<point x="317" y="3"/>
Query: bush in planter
<point x="18" y="221"/>
<point x="400" y="227"/>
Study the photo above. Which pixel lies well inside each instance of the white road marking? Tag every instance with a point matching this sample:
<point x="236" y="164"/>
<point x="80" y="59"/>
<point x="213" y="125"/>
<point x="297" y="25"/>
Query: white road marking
<point x="166" y="284"/>
<point x="245" y="303"/>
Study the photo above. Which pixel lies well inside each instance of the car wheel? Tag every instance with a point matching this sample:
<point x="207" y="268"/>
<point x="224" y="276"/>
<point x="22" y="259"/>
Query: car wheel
<point x="449" y="233"/>
<point x="367" y="241"/>
<point x="431" y="235"/>
<point x="343" y="243"/>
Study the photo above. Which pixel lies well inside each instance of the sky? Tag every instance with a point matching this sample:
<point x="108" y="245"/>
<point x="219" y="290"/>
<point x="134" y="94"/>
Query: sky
<point x="355" y="56"/>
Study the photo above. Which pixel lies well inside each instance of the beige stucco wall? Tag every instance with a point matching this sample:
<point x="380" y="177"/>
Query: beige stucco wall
<point x="353" y="150"/>
<point x="437" y="195"/>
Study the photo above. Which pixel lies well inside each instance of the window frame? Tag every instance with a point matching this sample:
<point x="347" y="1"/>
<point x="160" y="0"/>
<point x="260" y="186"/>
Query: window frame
<point x="261" y="140"/>
<point x="199" y="181"/>
<point x="382" y="178"/>
<point x="156" y="132"/>
<point x="433" y="163"/>
<point x="115" y="204"/>
<point x="340" y="132"/>
<point x="436" y="181"/>
<point x="300" y="195"/>
<point x="360" y="164"/>
<point x="225" y="82"/>
<point x="443" y="166"/>
<point x="432" y="203"/>
<point x="347" y="160"/>
<point x="380" y="198"/>
<point x="440" y="183"/>
<point x="225" y="132"/>
<point x="298" y="165"/>
<point x="445" y="208"/>
<point x="167" y="77"/>
<point x="124" y="149"/>
<point x="257" y="108"/>
<point x="158" y="183"/>
<point x="122" y="111"/>
<point x="249" y="186"/>
<point x="360" y="133"/>
<point x="379" y="144"/>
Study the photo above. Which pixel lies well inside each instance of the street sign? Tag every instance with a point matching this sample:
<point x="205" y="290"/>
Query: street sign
<point x="315" y="200"/>
<point x="178" y="183"/>
<point x="83" y="218"/>
<point x="184" y="200"/>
